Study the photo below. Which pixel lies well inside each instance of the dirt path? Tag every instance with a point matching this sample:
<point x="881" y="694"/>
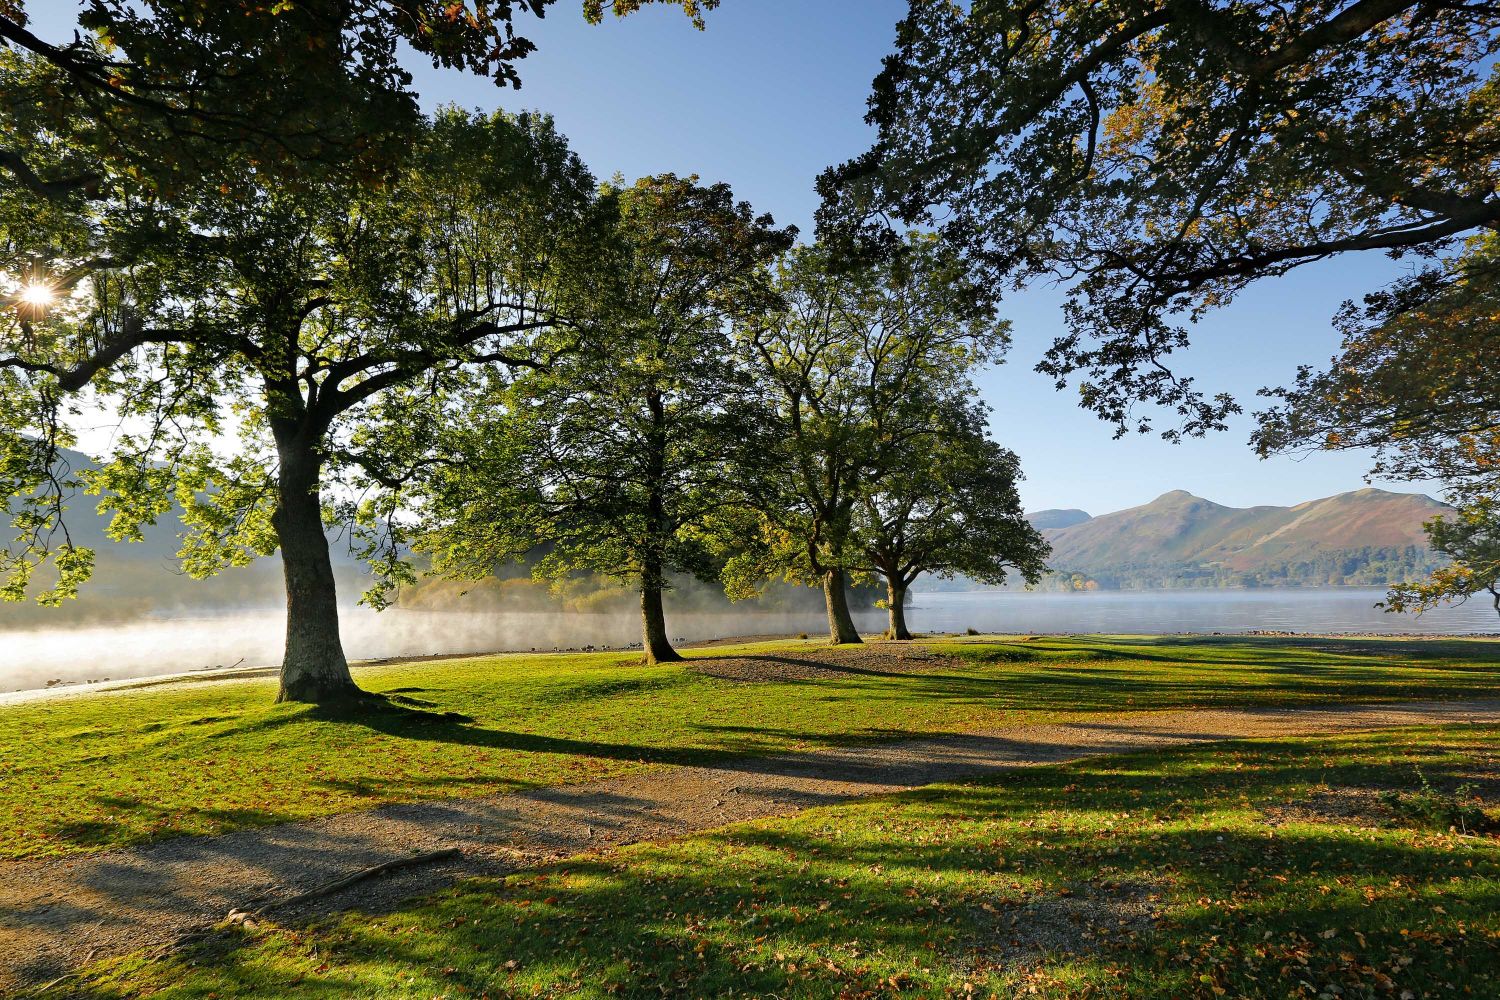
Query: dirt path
<point x="57" y="913"/>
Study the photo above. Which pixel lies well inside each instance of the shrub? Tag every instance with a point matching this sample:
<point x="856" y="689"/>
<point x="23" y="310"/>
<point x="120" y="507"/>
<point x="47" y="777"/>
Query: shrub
<point x="1459" y="810"/>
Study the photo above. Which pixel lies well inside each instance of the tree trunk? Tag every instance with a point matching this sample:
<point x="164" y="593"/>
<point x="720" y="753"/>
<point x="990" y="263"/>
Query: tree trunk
<point x="654" y="641"/>
<point x="896" y="598"/>
<point x="313" y="668"/>
<point x="840" y="624"/>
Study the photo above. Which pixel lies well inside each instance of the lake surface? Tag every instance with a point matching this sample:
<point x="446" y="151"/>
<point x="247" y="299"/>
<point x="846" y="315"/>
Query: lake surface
<point x="1167" y="611"/>
<point x="30" y="658"/>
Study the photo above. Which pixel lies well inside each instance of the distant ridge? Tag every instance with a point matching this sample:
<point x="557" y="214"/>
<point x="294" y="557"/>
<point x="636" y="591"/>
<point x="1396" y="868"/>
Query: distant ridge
<point x="1042" y="519"/>
<point x="135" y="579"/>
<point x="1366" y="537"/>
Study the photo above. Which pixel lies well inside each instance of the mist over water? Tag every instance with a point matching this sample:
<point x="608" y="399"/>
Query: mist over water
<point x="30" y="658"/>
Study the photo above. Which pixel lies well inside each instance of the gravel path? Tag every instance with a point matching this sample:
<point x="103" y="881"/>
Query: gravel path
<point x="58" y="913"/>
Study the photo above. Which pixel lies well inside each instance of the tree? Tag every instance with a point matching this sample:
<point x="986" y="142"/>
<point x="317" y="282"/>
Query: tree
<point x="849" y="366"/>
<point x="1472" y="540"/>
<point x="1160" y="155"/>
<point x="948" y="508"/>
<point x="1417" y="379"/>
<point x="165" y="88"/>
<point x="616" y="453"/>
<point x="321" y="325"/>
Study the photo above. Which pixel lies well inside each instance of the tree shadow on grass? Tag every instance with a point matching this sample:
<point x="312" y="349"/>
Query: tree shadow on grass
<point x="1058" y="687"/>
<point x="1395" y="647"/>
<point x="91" y="833"/>
<point x="919" y="893"/>
<point x="1243" y="651"/>
<point x="765" y="749"/>
<point x="1267" y="650"/>
<point x="808" y="668"/>
<point x="1063" y="686"/>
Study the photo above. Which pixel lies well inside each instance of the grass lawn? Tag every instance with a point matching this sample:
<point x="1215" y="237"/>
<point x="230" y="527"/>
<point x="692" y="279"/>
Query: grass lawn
<point x="1293" y="868"/>
<point x="208" y="756"/>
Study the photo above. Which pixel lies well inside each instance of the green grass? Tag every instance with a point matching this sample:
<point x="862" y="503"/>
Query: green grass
<point x="208" y="756"/>
<point x="1229" y="876"/>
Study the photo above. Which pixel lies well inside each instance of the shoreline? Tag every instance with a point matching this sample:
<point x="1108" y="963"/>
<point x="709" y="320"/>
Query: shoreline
<point x="79" y="688"/>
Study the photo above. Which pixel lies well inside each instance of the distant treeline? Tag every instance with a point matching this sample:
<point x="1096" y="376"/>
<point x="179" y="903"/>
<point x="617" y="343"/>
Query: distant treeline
<point x="591" y="594"/>
<point x="513" y="587"/>
<point x="1370" y="566"/>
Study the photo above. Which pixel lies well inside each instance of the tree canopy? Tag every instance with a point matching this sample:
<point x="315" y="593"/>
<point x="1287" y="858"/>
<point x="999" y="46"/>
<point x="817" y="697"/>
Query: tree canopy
<point x="167" y="89"/>
<point x="1471" y="539"/>
<point x="1160" y="155"/>
<point x="1417" y="379"/>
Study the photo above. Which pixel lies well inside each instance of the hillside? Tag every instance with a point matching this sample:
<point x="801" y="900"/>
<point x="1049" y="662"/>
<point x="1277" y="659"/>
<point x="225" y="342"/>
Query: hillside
<point x="1367" y="537"/>
<point x="1057" y="518"/>
<point x="137" y="579"/>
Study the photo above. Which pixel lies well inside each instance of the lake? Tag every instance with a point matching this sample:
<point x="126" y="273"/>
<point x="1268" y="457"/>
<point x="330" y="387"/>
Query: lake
<point x="1165" y="611"/>
<point x="30" y="658"/>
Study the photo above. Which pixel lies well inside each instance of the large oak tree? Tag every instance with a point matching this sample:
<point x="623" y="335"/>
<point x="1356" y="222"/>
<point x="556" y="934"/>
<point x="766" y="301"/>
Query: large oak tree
<point x="314" y="324"/>
<point x="169" y="87"/>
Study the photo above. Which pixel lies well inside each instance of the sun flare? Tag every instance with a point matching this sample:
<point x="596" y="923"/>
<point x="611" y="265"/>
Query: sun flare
<point x="37" y="295"/>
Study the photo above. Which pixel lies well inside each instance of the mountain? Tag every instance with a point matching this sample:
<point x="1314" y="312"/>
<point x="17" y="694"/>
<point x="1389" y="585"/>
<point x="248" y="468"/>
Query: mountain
<point x="135" y="579"/>
<point x="1041" y="519"/>
<point x="1368" y="537"/>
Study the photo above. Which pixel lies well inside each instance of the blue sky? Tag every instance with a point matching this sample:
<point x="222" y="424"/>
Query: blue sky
<point x="773" y="92"/>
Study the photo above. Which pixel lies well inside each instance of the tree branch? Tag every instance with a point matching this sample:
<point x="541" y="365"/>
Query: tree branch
<point x="1346" y="26"/>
